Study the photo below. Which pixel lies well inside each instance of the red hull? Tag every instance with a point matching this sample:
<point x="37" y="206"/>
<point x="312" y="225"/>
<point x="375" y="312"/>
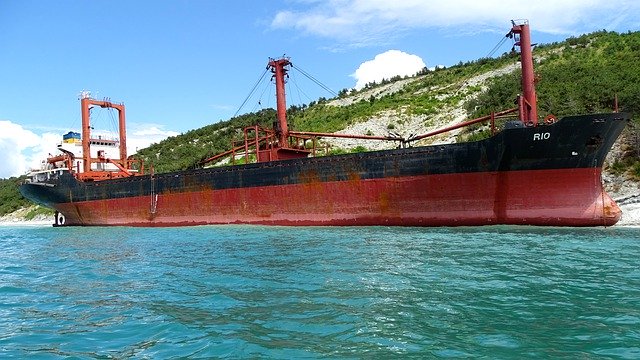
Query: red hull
<point x="563" y="197"/>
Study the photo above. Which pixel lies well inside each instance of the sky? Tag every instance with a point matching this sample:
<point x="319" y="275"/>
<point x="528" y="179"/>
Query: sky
<point x="183" y="64"/>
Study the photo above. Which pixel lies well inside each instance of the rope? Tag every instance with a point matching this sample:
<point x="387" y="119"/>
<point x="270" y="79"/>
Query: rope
<point x="299" y="90"/>
<point x="315" y="80"/>
<point x="498" y="45"/>
<point x="251" y="92"/>
<point x="259" y="103"/>
<point x="115" y="124"/>
<point x="295" y="84"/>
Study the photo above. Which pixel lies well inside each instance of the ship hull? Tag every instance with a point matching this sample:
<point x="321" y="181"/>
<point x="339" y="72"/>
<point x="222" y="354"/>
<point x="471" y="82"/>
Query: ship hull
<point x="545" y="175"/>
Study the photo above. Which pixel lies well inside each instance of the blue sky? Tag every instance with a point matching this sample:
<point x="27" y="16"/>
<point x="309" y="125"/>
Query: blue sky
<point x="179" y="65"/>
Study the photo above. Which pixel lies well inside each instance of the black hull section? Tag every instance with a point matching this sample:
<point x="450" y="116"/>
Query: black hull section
<point x="576" y="142"/>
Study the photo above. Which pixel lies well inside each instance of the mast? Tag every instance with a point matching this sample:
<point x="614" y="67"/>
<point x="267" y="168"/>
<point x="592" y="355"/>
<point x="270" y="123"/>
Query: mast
<point x="279" y="70"/>
<point x="86" y="103"/>
<point x="527" y="102"/>
<point x="86" y="134"/>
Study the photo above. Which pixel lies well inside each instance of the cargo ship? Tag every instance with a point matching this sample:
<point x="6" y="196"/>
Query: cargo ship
<point x="534" y="171"/>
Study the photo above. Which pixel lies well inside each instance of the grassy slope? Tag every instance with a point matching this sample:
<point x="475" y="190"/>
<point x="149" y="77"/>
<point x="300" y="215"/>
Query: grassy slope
<point x="10" y="198"/>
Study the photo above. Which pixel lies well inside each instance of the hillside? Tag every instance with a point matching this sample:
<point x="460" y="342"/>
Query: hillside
<point x="10" y="198"/>
<point x="580" y="75"/>
<point x="11" y="201"/>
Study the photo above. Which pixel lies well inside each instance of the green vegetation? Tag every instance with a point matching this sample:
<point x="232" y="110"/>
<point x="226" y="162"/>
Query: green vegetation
<point x="10" y="198"/>
<point x="38" y="210"/>
<point x="416" y="97"/>
<point x="338" y="151"/>
<point x="187" y="150"/>
<point x="582" y="75"/>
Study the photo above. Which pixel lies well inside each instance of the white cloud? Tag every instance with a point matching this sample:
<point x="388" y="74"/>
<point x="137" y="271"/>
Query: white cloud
<point x="142" y="135"/>
<point x="22" y="149"/>
<point x="365" y="21"/>
<point x="139" y="135"/>
<point x="386" y="66"/>
<point x="221" y="107"/>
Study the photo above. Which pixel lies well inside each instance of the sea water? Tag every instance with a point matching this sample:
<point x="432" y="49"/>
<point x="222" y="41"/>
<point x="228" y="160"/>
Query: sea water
<point x="317" y="292"/>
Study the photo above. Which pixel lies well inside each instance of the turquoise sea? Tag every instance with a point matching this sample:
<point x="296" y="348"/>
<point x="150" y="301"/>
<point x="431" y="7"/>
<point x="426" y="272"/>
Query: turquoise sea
<point x="278" y="292"/>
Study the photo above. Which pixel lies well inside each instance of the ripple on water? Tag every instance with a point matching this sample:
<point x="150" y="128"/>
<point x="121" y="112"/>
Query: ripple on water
<point x="243" y="291"/>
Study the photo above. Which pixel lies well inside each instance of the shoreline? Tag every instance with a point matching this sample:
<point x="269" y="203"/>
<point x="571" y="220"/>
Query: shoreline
<point x="630" y="219"/>
<point x="26" y="223"/>
<point x="630" y="215"/>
